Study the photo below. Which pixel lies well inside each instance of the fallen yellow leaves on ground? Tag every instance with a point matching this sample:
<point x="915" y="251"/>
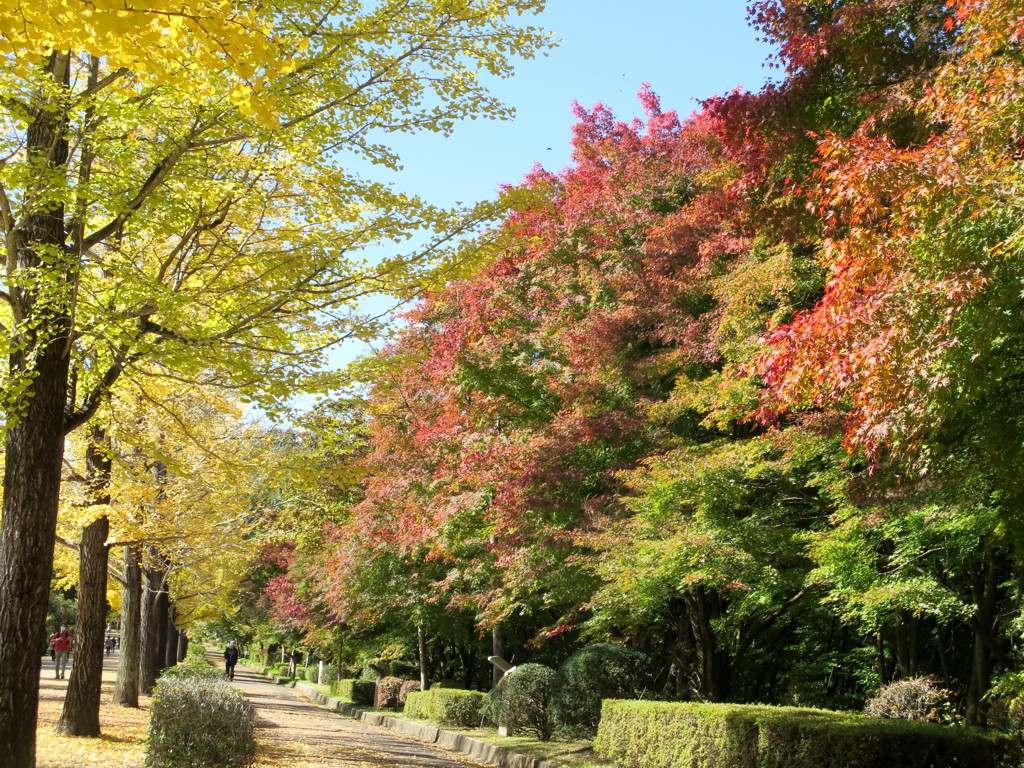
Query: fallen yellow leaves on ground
<point x="120" y="746"/>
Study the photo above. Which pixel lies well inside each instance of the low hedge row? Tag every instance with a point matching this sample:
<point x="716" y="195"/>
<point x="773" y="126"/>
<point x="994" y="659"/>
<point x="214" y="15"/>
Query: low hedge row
<point x="446" y="706"/>
<point x="358" y="692"/>
<point x="645" y="734"/>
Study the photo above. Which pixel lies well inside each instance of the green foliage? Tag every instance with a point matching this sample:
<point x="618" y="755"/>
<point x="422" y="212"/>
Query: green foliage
<point x="330" y="674"/>
<point x="597" y="672"/>
<point x="61" y="610"/>
<point x="200" y="723"/>
<point x="408" y="686"/>
<point x="523" y="700"/>
<point x="446" y="706"/>
<point x="359" y="692"/>
<point x="194" y="667"/>
<point x="311" y="673"/>
<point x="656" y="734"/>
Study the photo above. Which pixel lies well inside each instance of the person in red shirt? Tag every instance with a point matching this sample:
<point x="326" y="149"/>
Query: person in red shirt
<point x="62" y="641"/>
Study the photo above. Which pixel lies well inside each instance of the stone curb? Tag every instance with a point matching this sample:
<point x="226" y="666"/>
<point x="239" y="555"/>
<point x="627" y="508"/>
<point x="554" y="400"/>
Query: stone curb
<point x="429" y="734"/>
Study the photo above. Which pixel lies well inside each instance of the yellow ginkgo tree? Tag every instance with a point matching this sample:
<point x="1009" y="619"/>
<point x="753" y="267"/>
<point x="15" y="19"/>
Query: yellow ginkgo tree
<point x="177" y="194"/>
<point x="173" y="500"/>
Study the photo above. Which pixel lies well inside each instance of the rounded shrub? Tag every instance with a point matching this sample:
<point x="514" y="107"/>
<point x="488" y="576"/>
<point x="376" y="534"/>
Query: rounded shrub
<point x="446" y="706"/>
<point x="330" y="674"/>
<point x="388" y="690"/>
<point x="522" y="701"/>
<point x="915" y="698"/>
<point x="311" y="673"/>
<point x="597" y="672"/>
<point x="199" y="723"/>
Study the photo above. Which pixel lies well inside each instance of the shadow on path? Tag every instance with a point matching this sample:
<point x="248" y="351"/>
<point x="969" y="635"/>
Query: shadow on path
<point x="293" y="731"/>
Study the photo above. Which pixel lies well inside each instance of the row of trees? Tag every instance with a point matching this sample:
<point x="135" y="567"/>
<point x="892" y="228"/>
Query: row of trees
<point x="742" y="390"/>
<point x="177" y="205"/>
<point x="159" y="487"/>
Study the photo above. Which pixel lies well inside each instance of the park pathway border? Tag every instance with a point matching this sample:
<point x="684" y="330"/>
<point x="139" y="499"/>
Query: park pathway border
<point x="481" y="751"/>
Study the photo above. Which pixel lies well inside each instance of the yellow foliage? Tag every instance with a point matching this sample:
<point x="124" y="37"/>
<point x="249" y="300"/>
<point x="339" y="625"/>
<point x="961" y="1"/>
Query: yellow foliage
<point x="195" y="511"/>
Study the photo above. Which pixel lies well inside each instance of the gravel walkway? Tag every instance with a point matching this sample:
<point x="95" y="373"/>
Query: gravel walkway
<point x="294" y="732"/>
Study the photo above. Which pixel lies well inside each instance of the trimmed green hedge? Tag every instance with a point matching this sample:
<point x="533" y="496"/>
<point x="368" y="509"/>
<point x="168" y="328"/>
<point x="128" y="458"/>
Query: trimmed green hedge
<point x="446" y="706"/>
<point x="355" y="691"/>
<point x="645" y="734"/>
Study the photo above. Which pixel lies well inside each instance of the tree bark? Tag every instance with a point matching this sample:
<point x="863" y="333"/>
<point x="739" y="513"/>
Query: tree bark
<point x="182" y="645"/>
<point x="984" y="587"/>
<point x="34" y="446"/>
<point x="497" y="649"/>
<point x="151" y="651"/>
<point x="171" y="647"/>
<point x="714" y="670"/>
<point x="422" y="643"/>
<point x="162" y="607"/>
<point x="126" y="693"/>
<point x="81" y="713"/>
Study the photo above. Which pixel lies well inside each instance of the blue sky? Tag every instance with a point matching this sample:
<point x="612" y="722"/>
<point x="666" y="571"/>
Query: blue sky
<point x="686" y="49"/>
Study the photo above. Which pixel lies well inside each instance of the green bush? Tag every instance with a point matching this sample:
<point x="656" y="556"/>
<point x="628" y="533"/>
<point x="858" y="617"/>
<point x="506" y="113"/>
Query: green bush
<point x="523" y="700"/>
<point x="408" y="686"/>
<point x="199" y="723"/>
<point x="597" y="672"/>
<point x="330" y="674"/>
<point x="358" y="692"/>
<point x="446" y="706"/>
<point x="645" y="734"/>
<point x="195" y="665"/>
<point x="311" y="673"/>
<point x="192" y="669"/>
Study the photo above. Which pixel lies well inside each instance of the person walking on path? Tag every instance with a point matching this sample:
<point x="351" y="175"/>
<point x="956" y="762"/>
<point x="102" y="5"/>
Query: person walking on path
<point x="230" y="659"/>
<point x="62" y="641"/>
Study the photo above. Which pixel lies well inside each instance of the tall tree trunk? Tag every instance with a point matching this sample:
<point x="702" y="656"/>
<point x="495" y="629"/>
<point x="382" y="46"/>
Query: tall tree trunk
<point x="467" y="656"/>
<point x="182" y="644"/>
<point x="171" y="647"/>
<point x="422" y="644"/>
<point x="497" y="649"/>
<point x="34" y="446"/>
<point x="984" y="586"/>
<point x="162" y="606"/>
<point x="713" y="663"/>
<point x="81" y="713"/>
<point x="128" y="684"/>
<point x="151" y="652"/>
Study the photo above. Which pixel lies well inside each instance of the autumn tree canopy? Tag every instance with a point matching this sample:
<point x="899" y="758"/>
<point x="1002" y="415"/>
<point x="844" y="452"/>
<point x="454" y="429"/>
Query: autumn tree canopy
<point x="740" y="389"/>
<point x="176" y="200"/>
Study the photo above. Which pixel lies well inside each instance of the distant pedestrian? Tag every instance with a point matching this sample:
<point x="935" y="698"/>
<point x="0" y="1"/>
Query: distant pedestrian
<point x="111" y="642"/>
<point x="230" y="659"/>
<point x="62" y="641"/>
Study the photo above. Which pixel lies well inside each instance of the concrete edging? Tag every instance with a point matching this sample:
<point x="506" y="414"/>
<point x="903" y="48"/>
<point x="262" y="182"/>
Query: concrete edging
<point x="430" y="734"/>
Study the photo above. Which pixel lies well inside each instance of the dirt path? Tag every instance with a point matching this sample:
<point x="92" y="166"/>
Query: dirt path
<point x="293" y="732"/>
